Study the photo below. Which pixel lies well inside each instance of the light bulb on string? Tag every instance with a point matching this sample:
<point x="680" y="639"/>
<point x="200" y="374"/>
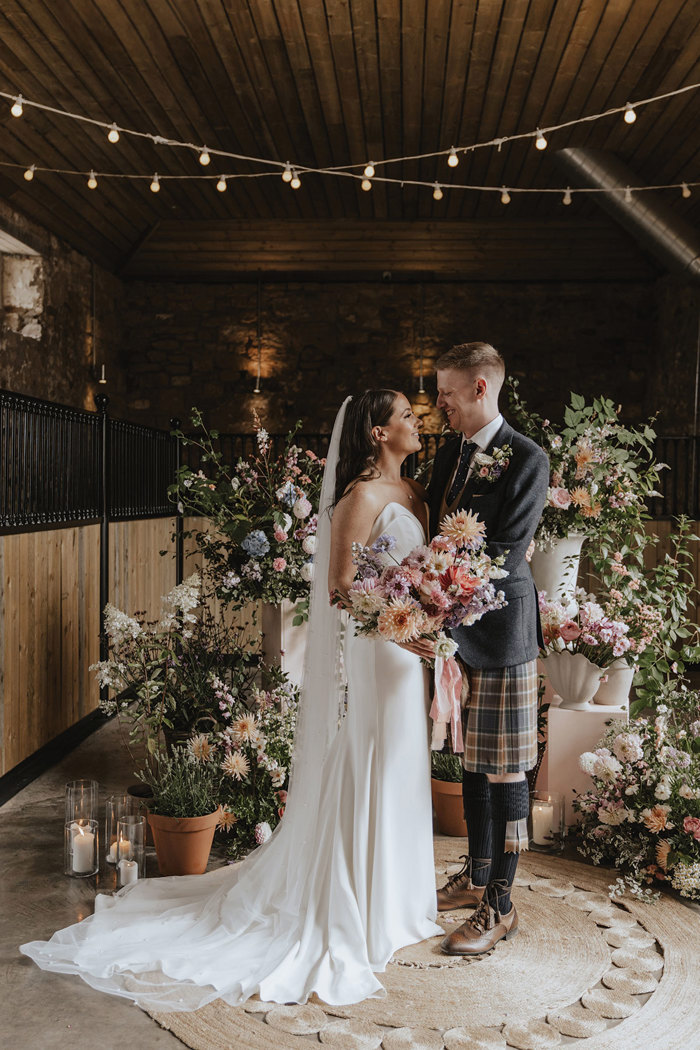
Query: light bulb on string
<point x="628" y="195"/>
<point x="221" y="184"/>
<point x="540" y="141"/>
<point x="505" y="196"/>
<point x="437" y="192"/>
<point x="204" y="157"/>
<point x="685" y="190"/>
<point x="369" y="170"/>
<point x="92" y="181"/>
<point x="566" y="199"/>
<point x="453" y="159"/>
<point x="287" y="173"/>
<point x="629" y="115"/>
<point x="366" y="184"/>
<point x="155" y="184"/>
<point x="16" y="108"/>
<point x="295" y="181"/>
<point x="29" y="173"/>
<point x="113" y="133"/>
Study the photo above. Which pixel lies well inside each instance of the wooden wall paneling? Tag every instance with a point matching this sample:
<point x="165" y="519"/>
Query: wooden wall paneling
<point x="139" y="576"/>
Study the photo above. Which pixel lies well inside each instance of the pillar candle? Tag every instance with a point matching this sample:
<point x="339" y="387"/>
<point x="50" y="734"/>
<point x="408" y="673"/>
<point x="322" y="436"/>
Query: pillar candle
<point x="542" y="818"/>
<point x="128" y="872"/>
<point x="83" y="851"/>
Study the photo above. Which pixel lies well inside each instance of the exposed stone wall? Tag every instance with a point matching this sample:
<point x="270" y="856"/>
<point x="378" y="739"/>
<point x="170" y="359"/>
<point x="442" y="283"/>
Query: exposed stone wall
<point x="46" y="340"/>
<point x="196" y="344"/>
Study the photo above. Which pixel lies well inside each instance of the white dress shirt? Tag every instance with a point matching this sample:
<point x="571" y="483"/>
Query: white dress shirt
<point x="483" y="438"/>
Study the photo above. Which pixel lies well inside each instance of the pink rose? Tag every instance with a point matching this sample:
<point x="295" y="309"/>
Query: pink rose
<point x="279" y="564"/>
<point x="484" y="472"/>
<point x="282" y="796"/>
<point x="280" y="534"/>
<point x="559" y="497"/>
<point x="570" y="631"/>
<point x="692" y="826"/>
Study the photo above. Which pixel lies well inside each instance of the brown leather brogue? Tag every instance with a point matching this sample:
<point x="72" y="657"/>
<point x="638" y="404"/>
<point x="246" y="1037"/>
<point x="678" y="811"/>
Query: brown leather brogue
<point x="459" y="891"/>
<point x="486" y="927"/>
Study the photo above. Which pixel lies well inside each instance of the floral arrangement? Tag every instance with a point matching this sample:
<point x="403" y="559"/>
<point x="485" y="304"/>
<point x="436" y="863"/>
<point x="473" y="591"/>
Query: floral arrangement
<point x="436" y="587"/>
<point x="602" y="473"/>
<point x="490" y="467"/>
<point x="583" y="626"/>
<point x="252" y="749"/>
<point x="262" y="513"/>
<point x="657" y="604"/>
<point x="643" y="812"/>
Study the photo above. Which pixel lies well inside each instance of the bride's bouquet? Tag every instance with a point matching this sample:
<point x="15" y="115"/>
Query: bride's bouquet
<point x="437" y="587"/>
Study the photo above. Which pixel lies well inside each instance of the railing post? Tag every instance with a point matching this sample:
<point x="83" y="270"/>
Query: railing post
<point x="179" y="520"/>
<point x="101" y="402"/>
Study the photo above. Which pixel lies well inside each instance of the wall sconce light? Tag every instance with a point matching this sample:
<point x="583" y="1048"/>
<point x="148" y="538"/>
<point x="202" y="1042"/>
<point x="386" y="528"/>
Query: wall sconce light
<point x="103" y="377"/>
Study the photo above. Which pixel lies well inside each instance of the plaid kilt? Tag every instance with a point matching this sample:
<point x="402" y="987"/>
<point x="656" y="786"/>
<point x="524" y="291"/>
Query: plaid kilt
<point x="499" y="720"/>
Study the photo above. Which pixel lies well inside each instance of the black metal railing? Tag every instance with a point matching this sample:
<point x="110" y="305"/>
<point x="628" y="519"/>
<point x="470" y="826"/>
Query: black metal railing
<point x="60" y="465"/>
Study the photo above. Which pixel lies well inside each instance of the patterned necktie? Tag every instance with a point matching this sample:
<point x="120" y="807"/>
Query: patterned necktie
<point x="462" y="471"/>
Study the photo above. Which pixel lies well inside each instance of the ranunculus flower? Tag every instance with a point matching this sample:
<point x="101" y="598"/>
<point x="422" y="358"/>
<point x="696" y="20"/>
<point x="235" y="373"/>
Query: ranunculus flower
<point x="262" y="832"/>
<point x="458" y="581"/>
<point x="302" y="508"/>
<point x="691" y="825"/>
<point x="570" y="631"/>
<point x="279" y="564"/>
<point x="559" y="497"/>
<point x="280" y="534"/>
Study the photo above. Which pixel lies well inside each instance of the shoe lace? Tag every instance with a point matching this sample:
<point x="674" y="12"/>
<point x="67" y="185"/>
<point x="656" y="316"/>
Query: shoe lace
<point x="481" y="919"/>
<point x="459" y="875"/>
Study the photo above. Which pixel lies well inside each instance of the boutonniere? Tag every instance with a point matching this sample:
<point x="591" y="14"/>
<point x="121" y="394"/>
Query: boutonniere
<point x="490" y="468"/>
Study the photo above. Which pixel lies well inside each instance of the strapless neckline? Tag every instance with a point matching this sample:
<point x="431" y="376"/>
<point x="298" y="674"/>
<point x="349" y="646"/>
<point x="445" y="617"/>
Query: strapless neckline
<point x="395" y="503"/>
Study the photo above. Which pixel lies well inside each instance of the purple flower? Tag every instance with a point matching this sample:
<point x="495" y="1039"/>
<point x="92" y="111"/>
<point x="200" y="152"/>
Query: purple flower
<point x="383" y="544"/>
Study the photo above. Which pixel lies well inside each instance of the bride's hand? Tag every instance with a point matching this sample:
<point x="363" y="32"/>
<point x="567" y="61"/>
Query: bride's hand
<point x="421" y="647"/>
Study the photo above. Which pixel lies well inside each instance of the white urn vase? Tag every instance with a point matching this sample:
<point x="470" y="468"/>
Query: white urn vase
<point x="574" y="678"/>
<point x="615" y="691"/>
<point x="555" y="567"/>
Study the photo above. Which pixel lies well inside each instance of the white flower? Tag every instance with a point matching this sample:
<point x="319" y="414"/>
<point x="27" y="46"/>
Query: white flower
<point x="118" y="625"/>
<point x="445" y="647"/>
<point x="685" y="791"/>
<point x="235" y="484"/>
<point x="628" y="747"/>
<point x="587" y="763"/>
<point x="613" y="816"/>
<point x="632" y="789"/>
<point x="277" y="776"/>
<point x="607" y="767"/>
<point x="287" y="522"/>
<point x="309" y="545"/>
<point x="663" y="788"/>
<point x="307" y="571"/>
<point x="483" y="459"/>
<point x="262" y="832"/>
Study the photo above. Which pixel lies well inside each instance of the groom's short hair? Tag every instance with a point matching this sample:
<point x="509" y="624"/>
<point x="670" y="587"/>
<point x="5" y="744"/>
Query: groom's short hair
<point x="467" y="356"/>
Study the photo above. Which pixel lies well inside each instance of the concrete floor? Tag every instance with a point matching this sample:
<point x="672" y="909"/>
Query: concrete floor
<point x="46" y="1011"/>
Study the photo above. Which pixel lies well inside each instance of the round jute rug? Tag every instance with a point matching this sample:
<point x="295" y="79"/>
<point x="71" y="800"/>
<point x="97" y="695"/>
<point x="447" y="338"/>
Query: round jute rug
<point x="582" y="970"/>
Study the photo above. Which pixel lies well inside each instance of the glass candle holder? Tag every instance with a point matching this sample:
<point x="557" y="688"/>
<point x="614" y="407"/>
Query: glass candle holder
<point x="80" y="848"/>
<point x="117" y="807"/>
<point x="546" y="828"/>
<point x="131" y="839"/>
<point x="81" y="800"/>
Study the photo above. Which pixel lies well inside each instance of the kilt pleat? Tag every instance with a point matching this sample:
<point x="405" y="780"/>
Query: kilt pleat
<point x="500" y="719"/>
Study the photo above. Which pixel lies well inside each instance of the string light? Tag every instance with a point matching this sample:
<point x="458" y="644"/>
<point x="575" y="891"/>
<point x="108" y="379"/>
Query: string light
<point x="453" y="159"/>
<point x="685" y="190"/>
<point x="366" y="184"/>
<point x="295" y="181"/>
<point x="437" y="192"/>
<point x="505" y="196"/>
<point x="29" y="173"/>
<point x="540" y="141"/>
<point x="16" y="109"/>
<point x="113" y="133"/>
<point x="221" y="184"/>
<point x="287" y="173"/>
<point x="628" y="195"/>
<point x="204" y="157"/>
<point x="629" y="115"/>
<point x="92" y="181"/>
<point x="155" y="184"/>
<point x="369" y="170"/>
<point x="567" y="196"/>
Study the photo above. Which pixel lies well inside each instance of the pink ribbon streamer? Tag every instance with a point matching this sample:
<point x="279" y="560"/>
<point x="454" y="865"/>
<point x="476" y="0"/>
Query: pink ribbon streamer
<point x="446" y="706"/>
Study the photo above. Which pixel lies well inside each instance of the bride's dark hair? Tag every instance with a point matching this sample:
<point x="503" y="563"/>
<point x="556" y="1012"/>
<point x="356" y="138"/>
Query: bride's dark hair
<point x="358" y="450"/>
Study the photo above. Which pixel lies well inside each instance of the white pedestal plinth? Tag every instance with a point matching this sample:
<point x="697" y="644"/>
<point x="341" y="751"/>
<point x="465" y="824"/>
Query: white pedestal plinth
<point x="283" y="643"/>
<point x="569" y="734"/>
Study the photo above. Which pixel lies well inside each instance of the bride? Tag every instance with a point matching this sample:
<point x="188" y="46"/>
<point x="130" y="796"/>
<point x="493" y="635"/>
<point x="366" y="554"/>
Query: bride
<point x="347" y="878"/>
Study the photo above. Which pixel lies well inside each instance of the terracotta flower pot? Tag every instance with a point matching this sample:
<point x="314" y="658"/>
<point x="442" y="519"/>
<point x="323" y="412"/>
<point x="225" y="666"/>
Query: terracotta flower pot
<point x="183" y="844"/>
<point x="449" y="807"/>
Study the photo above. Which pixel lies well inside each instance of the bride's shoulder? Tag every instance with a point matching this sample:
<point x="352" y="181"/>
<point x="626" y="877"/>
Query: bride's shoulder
<point x="360" y="499"/>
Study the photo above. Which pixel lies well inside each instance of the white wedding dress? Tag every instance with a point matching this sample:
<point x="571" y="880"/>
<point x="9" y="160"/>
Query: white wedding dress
<point x="323" y="910"/>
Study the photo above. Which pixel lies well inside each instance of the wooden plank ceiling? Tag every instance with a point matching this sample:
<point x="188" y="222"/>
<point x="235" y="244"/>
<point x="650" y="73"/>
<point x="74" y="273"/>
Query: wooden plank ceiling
<point x="334" y="82"/>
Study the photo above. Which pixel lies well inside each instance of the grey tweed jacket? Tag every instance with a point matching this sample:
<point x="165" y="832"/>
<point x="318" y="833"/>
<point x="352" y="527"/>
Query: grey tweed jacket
<point x="510" y="508"/>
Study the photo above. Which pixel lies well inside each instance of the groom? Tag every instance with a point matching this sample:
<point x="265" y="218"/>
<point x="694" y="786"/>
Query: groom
<point x="502" y="476"/>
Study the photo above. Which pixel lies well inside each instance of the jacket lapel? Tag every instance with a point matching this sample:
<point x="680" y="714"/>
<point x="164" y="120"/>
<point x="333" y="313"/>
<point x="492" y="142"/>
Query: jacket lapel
<point x="503" y="437"/>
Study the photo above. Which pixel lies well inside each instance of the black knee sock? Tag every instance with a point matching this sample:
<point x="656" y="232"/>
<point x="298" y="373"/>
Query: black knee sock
<point x="477" y="813"/>
<point x="509" y="806"/>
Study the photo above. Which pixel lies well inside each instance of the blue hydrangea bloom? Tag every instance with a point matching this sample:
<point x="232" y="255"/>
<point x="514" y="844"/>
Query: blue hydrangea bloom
<point x="256" y="544"/>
